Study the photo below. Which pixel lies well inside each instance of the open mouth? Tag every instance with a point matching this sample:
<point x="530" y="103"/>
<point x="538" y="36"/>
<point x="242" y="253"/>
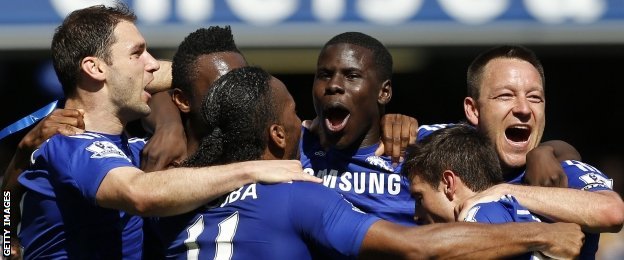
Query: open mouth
<point x="518" y="133"/>
<point x="336" y="118"/>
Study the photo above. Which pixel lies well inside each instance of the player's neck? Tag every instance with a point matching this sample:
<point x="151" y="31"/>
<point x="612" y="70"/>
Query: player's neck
<point x="338" y="142"/>
<point x="373" y="136"/>
<point x="194" y="135"/>
<point x="98" y="116"/>
<point x="462" y="194"/>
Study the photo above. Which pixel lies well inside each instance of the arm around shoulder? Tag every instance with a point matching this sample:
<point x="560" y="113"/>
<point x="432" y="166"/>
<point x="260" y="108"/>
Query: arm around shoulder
<point x="477" y="241"/>
<point x="596" y="211"/>
<point x="180" y="190"/>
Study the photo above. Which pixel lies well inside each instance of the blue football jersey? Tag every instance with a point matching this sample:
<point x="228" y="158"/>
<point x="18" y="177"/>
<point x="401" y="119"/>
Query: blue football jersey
<point x="506" y="209"/>
<point x="426" y="130"/>
<point x="368" y="181"/>
<point x="60" y="217"/>
<point x="581" y="176"/>
<point x="296" y="220"/>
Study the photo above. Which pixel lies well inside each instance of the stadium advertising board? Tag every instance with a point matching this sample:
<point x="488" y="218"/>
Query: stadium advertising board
<point x="30" y="23"/>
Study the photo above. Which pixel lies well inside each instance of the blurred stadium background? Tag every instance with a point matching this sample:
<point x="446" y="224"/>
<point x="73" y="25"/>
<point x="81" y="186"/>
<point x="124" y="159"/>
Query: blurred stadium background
<point x="580" y="42"/>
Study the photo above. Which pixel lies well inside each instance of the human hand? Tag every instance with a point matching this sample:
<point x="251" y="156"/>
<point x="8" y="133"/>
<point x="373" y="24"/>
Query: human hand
<point x="277" y="171"/>
<point x="398" y="131"/>
<point x="166" y="148"/>
<point x="565" y="240"/>
<point x="306" y="123"/>
<point x="60" y="121"/>
<point x="16" y="250"/>
<point x="544" y="169"/>
<point x="162" y="78"/>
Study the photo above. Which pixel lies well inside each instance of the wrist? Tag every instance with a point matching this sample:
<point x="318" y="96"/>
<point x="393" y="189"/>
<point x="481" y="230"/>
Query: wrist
<point x="502" y="189"/>
<point x="245" y="171"/>
<point x="539" y="241"/>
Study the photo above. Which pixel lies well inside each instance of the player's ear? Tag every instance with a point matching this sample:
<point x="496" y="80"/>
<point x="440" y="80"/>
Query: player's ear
<point x="93" y="67"/>
<point x="180" y="100"/>
<point x="450" y="184"/>
<point x="277" y="142"/>
<point x="471" y="110"/>
<point x="385" y="93"/>
<point x="278" y="135"/>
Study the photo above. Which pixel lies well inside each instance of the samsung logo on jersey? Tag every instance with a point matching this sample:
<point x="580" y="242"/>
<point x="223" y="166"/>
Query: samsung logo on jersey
<point x="360" y="182"/>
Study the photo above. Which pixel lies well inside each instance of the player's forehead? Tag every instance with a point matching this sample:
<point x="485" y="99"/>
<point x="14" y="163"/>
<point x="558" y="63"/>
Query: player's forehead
<point x="214" y="65"/>
<point x="128" y="37"/>
<point x="346" y="55"/>
<point x="502" y="71"/>
<point x="280" y="92"/>
<point x="210" y="67"/>
<point x="417" y="183"/>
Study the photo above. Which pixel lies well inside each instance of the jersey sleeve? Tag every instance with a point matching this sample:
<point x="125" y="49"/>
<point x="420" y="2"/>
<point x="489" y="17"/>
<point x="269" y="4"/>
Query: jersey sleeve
<point x="83" y="162"/>
<point x="583" y="176"/>
<point x="490" y="212"/>
<point x="426" y="130"/>
<point x="329" y="220"/>
<point x="506" y="209"/>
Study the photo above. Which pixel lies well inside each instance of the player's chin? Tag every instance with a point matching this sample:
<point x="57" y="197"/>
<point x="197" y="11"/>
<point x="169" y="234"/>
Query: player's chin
<point x="143" y="110"/>
<point x="146" y="110"/>
<point x="515" y="161"/>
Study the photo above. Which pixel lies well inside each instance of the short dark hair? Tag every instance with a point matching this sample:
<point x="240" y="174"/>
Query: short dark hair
<point x="203" y="41"/>
<point x="381" y="55"/>
<point x="238" y="109"/>
<point x="460" y="148"/>
<point x="475" y="70"/>
<point x="85" y="32"/>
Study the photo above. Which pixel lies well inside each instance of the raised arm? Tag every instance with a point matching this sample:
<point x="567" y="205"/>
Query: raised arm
<point x="162" y="78"/>
<point x="461" y="240"/>
<point x="562" y="150"/>
<point x="179" y="190"/>
<point x="167" y="145"/>
<point x="398" y="131"/>
<point x="61" y="121"/>
<point x="543" y="166"/>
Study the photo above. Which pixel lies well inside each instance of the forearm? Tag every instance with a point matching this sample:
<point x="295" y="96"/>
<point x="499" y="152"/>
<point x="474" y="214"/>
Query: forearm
<point x="562" y="150"/>
<point x="164" y="113"/>
<point x="18" y="163"/>
<point x="12" y="188"/>
<point x="171" y="192"/>
<point x="162" y="78"/>
<point x="484" y="241"/>
<point x="453" y="240"/>
<point x="600" y="211"/>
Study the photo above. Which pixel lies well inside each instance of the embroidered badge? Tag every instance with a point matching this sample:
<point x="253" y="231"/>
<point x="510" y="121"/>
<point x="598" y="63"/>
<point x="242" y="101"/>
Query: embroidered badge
<point x="106" y="149"/>
<point x="593" y="180"/>
<point x="379" y="162"/>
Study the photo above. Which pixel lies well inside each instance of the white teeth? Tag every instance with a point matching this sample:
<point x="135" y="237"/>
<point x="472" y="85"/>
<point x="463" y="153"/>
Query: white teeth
<point x="339" y="127"/>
